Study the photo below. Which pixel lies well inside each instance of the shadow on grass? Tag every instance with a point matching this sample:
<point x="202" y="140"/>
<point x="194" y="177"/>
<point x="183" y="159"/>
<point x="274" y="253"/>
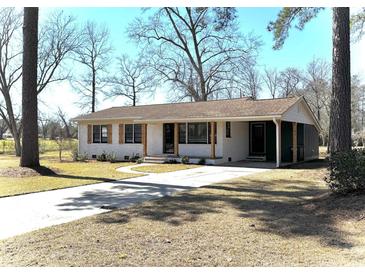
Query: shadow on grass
<point x="278" y="206"/>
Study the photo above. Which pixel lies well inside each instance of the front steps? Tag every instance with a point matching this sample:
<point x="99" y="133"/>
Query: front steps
<point x="256" y="158"/>
<point x="155" y="159"/>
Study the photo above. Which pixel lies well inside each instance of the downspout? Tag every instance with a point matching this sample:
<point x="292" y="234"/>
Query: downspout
<point x="278" y="141"/>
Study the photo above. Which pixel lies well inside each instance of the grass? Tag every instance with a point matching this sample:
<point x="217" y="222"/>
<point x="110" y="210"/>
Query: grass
<point x="7" y="145"/>
<point x="161" y="168"/>
<point x="68" y="174"/>
<point x="283" y="217"/>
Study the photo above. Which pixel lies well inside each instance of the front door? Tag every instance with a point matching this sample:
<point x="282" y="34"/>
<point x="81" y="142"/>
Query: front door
<point x="168" y="138"/>
<point x="257" y="138"/>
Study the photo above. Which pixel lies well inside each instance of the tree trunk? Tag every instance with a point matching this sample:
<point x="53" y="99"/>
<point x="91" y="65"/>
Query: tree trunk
<point x="93" y="91"/>
<point x="30" y="150"/>
<point x="340" y="118"/>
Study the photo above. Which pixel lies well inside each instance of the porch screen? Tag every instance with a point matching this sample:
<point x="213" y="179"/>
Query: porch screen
<point x="197" y="133"/>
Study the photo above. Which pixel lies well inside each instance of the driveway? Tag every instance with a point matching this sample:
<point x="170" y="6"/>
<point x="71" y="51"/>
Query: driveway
<point x="24" y="213"/>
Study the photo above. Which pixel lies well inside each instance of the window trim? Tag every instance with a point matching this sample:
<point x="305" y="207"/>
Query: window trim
<point x="133" y="137"/>
<point x="100" y="134"/>
<point x="186" y="133"/>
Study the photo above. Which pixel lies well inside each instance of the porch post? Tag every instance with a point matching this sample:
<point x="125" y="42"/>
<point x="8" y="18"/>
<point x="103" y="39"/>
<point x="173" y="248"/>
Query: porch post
<point x="144" y="139"/>
<point x="212" y="140"/>
<point x="176" y="139"/>
<point x="278" y="141"/>
<point x="295" y="143"/>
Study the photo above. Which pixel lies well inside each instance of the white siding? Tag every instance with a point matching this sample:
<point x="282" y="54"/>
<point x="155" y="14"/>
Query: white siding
<point x="298" y="113"/>
<point x="236" y="147"/>
<point x="120" y="150"/>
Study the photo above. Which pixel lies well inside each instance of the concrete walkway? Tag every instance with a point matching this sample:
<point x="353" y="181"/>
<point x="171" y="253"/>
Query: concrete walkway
<point x="24" y="213"/>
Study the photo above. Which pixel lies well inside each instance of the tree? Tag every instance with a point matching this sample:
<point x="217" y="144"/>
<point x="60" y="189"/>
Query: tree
<point x="271" y="80"/>
<point x="251" y="80"/>
<point x="3" y="128"/>
<point x="94" y="55"/>
<point x="58" y="41"/>
<point x="358" y="24"/>
<point x="133" y="79"/>
<point x="195" y="50"/>
<point x="317" y="92"/>
<point x="340" y="118"/>
<point x="30" y="149"/>
<point x="10" y="69"/>
<point x="289" y="81"/>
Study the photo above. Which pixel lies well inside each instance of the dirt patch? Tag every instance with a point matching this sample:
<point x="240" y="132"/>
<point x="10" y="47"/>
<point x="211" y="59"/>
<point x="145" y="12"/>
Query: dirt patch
<point x="21" y="172"/>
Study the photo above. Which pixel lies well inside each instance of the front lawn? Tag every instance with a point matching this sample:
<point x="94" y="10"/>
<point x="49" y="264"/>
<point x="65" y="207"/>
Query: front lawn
<point x="15" y="181"/>
<point x="161" y="168"/>
<point x="282" y="217"/>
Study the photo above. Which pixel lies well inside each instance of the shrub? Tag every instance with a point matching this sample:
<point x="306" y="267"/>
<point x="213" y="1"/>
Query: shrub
<point x="111" y="157"/>
<point x="82" y="157"/>
<point x="185" y="160"/>
<point x="347" y="171"/>
<point x="75" y="154"/>
<point x="201" y="161"/>
<point x="101" y="157"/>
<point x="172" y="161"/>
<point x="139" y="161"/>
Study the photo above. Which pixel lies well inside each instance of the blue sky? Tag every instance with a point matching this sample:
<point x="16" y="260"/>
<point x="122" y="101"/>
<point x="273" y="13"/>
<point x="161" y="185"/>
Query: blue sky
<point x="300" y="48"/>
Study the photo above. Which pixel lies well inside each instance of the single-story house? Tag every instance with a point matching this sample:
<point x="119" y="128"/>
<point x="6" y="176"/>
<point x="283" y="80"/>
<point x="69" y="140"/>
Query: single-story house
<point x="219" y="131"/>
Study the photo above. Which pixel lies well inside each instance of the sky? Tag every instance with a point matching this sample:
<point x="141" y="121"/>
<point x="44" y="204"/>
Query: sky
<point x="315" y="41"/>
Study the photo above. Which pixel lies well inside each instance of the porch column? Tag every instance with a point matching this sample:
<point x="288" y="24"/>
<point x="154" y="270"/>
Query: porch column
<point x="144" y="139"/>
<point x="176" y="139"/>
<point x="212" y="140"/>
<point x="294" y="142"/>
<point x="278" y="141"/>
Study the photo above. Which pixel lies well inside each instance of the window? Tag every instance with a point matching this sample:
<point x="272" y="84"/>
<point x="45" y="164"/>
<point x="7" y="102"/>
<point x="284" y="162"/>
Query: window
<point x="128" y="133"/>
<point x="228" y="129"/>
<point x="100" y="134"/>
<point x="133" y="133"/>
<point x="209" y="132"/>
<point x="138" y="134"/>
<point x="182" y="133"/>
<point x="197" y="133"/>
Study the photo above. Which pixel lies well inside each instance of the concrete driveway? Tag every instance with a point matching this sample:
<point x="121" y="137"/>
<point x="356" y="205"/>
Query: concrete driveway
<point x="24" y="213"/>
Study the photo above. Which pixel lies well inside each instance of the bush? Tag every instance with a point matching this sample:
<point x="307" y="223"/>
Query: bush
<point x="102" y="157"/>
<point x="111" y="157"/>
<point x="347" y="171"/>
<point x="75" y="154"/>
<point x="172" y="161"/>
<point x="185" y="160"/>
<point x="139" y="161"/>
<point x="201" y="161"/>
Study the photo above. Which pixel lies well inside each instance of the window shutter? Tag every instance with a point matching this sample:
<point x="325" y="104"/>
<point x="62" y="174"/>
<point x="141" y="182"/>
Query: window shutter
<point x="110" y="134"/>
<point x="121" y="134"/>
<point x="89" y="134"/>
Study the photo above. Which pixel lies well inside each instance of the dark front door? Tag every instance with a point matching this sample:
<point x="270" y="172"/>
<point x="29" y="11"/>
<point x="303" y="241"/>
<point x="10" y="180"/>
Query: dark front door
<point x="257" y="140"/>
<point x="168" y="138"/>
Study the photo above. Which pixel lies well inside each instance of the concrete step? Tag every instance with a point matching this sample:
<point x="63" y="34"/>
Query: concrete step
<point x="155" y="160"/>
<point x="256" y="158"/>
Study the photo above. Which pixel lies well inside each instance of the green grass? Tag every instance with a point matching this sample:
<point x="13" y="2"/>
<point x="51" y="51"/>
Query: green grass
<point x="161" y="168"/>
<point x="7" y="145"/>
<point x="68" y="174"/>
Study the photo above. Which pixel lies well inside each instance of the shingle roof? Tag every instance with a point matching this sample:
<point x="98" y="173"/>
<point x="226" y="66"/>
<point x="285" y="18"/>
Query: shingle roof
<point x="243" y="107"/>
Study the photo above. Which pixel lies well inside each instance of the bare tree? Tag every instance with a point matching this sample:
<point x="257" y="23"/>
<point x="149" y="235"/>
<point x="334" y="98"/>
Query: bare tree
<point x="10" y="69"/>
<point x="63" y="119"/>
<point x="58" y="40"/>
<point x="196" y="50"/>
<point x="3" y="128"/>
<point x="271" y="80"/>
<point x="251" y="81"/>
<point x="44" y="122"/>
<point x="317" y="91"/>
<point x="133" y="79"/>
<point x="30" y="149"/>
<point x="94" y="54"/>
<point x="289" y="81"/>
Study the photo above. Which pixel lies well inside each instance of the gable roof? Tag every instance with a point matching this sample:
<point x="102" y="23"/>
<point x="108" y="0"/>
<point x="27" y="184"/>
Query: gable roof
<point x="228" y="108"/>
